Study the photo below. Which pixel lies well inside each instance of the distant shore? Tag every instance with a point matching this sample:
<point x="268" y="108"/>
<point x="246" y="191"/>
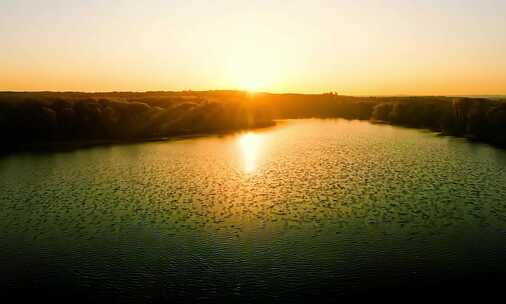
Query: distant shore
<point x="69" y="120"/>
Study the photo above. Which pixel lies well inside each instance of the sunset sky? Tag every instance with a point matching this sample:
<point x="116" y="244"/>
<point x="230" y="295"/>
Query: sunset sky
<point x="359" y="47"/>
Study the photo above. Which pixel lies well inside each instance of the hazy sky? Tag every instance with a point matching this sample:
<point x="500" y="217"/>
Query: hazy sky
<point x="353" y="47"/>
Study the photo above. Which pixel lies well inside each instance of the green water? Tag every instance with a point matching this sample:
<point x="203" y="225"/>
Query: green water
<point x="307" y="208"/>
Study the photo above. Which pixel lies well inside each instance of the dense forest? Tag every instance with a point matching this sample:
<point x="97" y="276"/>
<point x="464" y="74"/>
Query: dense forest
<point x="38" y="119"/>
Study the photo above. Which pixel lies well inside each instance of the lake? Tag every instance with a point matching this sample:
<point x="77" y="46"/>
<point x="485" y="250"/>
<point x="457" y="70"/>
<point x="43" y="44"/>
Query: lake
<point x="306" y="209"/>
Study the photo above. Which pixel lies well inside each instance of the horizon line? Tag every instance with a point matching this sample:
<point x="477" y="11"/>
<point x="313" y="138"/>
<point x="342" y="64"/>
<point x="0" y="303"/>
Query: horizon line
<point x="255" y="92"/>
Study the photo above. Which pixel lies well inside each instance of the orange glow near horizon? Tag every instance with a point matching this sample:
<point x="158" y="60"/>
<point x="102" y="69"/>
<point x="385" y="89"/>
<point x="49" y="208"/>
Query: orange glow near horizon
<point x="365" y="47"/>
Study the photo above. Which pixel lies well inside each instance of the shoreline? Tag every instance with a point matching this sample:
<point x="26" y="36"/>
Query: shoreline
<point x="69" y="146"/>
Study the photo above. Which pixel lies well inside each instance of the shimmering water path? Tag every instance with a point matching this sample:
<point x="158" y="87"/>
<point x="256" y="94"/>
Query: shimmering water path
<point x="307" y="209"/>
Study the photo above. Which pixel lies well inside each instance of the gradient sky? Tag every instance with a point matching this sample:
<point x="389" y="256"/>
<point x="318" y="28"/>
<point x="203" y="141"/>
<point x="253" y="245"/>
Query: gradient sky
<point x="361" y="47"/>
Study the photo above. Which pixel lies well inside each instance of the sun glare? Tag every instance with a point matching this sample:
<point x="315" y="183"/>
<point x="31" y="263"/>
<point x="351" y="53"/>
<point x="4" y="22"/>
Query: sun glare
<point x="252" y="70"/>
<point x="252" y="77"/>
<point x="249" y="146"/>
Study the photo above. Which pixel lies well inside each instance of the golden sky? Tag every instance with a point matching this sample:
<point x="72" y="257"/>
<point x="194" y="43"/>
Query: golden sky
<point x="360" y="47"/>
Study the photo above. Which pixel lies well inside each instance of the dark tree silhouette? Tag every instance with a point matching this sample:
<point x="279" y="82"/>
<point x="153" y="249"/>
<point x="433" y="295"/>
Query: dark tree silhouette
<point x="34" y="119"/>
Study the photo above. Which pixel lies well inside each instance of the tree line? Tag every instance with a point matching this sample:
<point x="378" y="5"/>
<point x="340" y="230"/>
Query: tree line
<point x="45" y="117"/>
<point x="478" y="119"/>
<point x="38" y="118"/>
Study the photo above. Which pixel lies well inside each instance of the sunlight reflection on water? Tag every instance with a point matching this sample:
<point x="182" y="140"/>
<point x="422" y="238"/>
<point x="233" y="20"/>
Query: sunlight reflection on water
<point x="315" y="199"/>
<point x="250" y="148"/>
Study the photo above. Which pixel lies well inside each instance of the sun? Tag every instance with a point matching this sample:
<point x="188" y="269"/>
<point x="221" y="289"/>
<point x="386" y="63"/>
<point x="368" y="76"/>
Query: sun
<point x="251" y="76"/>
<point x="253" y="71"/>
<point x="251" y="82"/>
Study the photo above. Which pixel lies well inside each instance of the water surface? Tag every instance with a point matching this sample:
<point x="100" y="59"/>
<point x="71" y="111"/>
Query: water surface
<point x="308" y="208"/>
